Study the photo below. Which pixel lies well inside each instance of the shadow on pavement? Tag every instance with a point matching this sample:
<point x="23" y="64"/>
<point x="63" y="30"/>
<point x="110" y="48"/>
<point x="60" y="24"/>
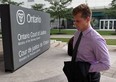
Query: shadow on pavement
<point x="58" y="78"/>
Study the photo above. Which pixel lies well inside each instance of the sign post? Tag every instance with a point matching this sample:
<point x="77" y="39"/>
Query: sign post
<point x="26" y="34"/>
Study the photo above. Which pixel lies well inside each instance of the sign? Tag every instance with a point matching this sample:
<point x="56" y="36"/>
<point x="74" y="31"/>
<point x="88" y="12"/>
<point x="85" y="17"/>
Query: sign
<point x="26" y="34"/>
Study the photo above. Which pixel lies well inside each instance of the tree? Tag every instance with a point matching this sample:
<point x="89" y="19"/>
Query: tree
<point x="38" y="7"/>
<point x="68" y="13"/>
<point x="58" y="9"/>
<point x="111" y="12"/>
<point x="113" y="3"/>
<point x="11" y="2"/>
<point x="113" y="9"/>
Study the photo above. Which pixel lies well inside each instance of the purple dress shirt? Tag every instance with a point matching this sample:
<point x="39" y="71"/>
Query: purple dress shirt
<point x="93" y="49"/>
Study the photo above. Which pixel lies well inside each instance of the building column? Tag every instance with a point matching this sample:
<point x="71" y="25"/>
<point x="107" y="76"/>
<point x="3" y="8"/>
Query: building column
<point x="103" y="24"/>
<point x="113" y="25"/>
<point x="108" y="24"/>
<point x="100" y="25"/>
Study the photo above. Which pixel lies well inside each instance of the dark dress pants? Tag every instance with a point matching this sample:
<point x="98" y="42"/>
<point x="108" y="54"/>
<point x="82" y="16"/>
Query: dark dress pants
<point x="94" y="77"/>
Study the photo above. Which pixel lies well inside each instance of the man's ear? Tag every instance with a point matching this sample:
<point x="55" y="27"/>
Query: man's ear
<point x="88" y="19"/>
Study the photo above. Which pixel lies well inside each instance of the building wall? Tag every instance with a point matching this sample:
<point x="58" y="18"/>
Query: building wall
<point x="55" y="24"/>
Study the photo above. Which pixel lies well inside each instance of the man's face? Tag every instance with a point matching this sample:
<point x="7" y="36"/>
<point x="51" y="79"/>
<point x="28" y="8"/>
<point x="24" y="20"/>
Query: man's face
<point x="80" y="22"/>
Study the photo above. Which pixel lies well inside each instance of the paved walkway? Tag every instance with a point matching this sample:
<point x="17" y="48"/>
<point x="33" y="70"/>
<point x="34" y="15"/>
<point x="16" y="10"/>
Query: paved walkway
<point x="69" y="36"/>
<point x="48" y="67"/>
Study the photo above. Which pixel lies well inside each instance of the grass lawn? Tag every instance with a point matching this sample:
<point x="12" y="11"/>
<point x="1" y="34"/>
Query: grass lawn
<point x="109" y="41"/>
<point x="71" y="32"/>
<point x="107" y="32"/>
<point x="63" y="31"/>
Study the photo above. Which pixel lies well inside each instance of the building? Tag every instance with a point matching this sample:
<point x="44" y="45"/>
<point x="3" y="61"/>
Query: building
<point x="107" y="24"/>
<point x="99" y="20"/>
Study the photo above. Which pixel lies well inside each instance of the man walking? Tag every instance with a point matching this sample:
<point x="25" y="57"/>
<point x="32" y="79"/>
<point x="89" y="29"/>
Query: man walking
<point x="92" y="47"/>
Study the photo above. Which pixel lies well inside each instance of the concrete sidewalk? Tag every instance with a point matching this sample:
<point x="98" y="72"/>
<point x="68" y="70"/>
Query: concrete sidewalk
<point x="69" y="36"/>
<point x="45" y="68"/>
<point x="48" y="67"/>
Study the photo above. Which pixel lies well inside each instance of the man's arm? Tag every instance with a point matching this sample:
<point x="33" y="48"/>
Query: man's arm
<point x="102" y="56"/>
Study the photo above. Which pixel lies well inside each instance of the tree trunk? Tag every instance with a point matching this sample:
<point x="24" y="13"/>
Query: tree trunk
<point x="59" y="25"/>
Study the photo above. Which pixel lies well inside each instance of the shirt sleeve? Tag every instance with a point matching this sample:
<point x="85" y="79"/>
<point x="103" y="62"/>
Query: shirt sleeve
<point x="102" y="56"/>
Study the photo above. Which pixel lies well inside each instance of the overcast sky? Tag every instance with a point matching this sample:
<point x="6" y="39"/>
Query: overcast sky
<point x="91" y="3"/>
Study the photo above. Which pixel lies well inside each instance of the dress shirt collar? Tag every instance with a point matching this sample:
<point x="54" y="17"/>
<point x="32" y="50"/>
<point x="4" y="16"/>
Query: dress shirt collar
<point x="87" y="31"/>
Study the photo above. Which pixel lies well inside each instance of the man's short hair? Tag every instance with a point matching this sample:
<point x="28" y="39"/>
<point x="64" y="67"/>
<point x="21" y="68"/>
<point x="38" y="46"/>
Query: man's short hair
<point x="83" y="9"/>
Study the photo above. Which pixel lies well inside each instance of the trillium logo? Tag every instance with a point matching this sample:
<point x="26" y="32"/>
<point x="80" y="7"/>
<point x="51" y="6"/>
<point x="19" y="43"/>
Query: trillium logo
<point x="20" y="17"/>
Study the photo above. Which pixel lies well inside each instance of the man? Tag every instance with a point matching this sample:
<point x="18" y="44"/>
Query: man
<point x="92" y="47"/>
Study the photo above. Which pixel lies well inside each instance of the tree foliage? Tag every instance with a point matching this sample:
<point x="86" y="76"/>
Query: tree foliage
<point x="58" y="9"/>
<point x="111" y="12"/>
<point x="38" y="7"/>
<point x="11" y="2"/>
